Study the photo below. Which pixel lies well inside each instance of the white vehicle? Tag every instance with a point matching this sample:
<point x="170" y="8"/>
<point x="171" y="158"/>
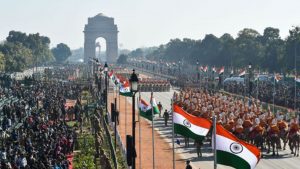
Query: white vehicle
<point x="263" y="77"/>
<point x="234" y="79"/>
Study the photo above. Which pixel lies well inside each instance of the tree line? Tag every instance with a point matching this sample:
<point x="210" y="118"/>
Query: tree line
<point x="21" y="51"/>
<point x="268" y="51"/>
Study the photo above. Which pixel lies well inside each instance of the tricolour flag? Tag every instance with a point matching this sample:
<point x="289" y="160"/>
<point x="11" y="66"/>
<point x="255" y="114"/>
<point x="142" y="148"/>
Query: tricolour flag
<point x="277" y="78"/>
<point x="214" y="70"/>
<point x="188" y="125"/>
<point x="110" y="74"/>
<point x="234" y="152"/>
<point x="146" y="109"/>
<point x="242" y="73"/>
<point x="205" y="69"/>
<point x="125" y="89"/>
<point x="221" y="71"/>
<point x="297" y="79"/>
<point x="231" y="73"/>
<point x="201" y="68"/>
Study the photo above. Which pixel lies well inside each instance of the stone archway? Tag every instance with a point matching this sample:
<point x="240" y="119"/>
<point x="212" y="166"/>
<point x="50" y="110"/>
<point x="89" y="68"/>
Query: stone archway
<point x="101" y="26"/>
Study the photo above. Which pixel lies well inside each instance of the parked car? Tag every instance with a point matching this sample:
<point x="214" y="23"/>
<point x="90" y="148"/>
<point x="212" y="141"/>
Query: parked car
<point x="234" y="79"/>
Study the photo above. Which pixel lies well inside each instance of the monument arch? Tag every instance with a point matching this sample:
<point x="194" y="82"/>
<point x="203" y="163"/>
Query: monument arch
<point x="101" y="26"/>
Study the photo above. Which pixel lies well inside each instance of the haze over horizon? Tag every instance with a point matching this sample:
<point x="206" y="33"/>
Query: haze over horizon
<point x="144" y="23"/>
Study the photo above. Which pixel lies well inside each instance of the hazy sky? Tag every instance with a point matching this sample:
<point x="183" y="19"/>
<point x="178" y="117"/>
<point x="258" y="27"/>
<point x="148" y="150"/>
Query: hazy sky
<point x="146" y="22"/>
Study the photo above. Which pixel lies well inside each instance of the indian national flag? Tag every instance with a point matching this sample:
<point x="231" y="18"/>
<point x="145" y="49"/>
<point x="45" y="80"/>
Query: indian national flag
<point x="242" y="73"/>
<point x="277" y="77"/>
<point x="146" y="109"/>
<point x="297" y="79"/>
<point x="110" y="74"/>
<point x="125" y="89"/>
<point x="201" y="68"/>
<point x="188" y="125"/>
<point x="214" y="70"/>
<point x="221" y="71"/>
<point x="231" y="73"/>
<point x="205" y="69"/>
<point x="234" y="152"/>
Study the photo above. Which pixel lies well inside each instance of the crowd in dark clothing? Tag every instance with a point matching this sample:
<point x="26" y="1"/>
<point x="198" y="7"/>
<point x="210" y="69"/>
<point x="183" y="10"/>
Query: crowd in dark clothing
<point x="264" y="90"/>
<point x="33" y="132"/>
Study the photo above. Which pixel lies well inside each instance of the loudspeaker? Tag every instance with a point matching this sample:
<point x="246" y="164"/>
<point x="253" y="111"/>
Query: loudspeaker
<point x="129" y="149"/>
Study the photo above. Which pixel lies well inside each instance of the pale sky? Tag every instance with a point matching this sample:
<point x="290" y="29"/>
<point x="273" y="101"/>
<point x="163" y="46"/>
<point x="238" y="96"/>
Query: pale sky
<point x="144" y="23"/>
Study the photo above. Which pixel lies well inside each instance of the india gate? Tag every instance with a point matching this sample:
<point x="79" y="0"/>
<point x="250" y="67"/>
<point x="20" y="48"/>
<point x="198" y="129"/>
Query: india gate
<point x="101" y="26"/>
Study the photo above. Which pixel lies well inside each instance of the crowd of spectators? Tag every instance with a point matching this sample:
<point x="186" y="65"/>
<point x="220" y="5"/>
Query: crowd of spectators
<point x="34" y="133"/>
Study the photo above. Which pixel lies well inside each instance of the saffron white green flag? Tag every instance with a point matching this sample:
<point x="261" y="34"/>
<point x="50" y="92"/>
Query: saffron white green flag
<point x="188" y="125"/>
<point x="146" y="110"/>
<point x="125" y="89"/>
<point x="297" y="79"/>
<point x="234" y="152"/>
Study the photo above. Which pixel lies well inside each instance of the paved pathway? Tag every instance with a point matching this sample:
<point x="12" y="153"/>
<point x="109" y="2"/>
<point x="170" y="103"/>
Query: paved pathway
<point x="284" y="161"/>
<point x="163" y="152"/>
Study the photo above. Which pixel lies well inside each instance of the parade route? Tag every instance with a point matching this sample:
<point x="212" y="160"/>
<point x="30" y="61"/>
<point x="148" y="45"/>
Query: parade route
<point x="163" y="152"/>
<point x="284" y="161"/>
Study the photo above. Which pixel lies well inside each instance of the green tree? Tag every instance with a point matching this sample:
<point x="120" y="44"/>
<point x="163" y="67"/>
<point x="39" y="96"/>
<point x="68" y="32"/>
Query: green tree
<point x="228" y="50"/>
<point x="274" y="50"/>
<point x="2" y="62"/>
<point x="137" y="53"/>
<point x="61" y="52"/>
<point x="122" y="59"/>
<point x="249" y="48"/>
<point x="292" y="49"/>
<point x="17" y="57"/>
<point x="39" y="45"/>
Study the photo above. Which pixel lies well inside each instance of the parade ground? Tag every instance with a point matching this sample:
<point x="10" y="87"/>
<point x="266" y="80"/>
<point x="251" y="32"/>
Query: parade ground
<point x="163" y="141"/>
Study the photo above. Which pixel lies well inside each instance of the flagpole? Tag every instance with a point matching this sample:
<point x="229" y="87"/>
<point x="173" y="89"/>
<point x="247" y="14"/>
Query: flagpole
<point x="125" y="100"/>
<point x="140" y="135"/>
<point x="199" y="78"/>
<point x="153" y="144"/>
<point x="174" y="166"/>
<point x="257" y="80"/>
<point x="119" y="99"/>
<point x="214" y="141"/>
<point x="295" y="64"/>
<point x="274" y="90"/>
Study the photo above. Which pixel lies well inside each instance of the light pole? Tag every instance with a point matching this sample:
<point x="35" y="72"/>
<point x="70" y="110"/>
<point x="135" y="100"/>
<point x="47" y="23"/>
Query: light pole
<point x="134" y="81"/>
<point x="197" y="69"/>
<point x="250" y="84"/>
<point x="179" y="62"/>
<point x="106" y="85"/>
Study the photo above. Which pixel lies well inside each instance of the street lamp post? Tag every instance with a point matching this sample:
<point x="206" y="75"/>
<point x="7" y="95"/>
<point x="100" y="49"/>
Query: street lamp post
<point x="250" y="84"/>
<point x="134" y="88"/>
<point x="179" y="62"/>
<point x="106" y="85"/>
<point x="197" y="69"/>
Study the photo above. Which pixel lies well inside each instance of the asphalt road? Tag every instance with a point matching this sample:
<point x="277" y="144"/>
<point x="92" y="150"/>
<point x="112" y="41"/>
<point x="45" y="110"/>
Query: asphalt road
<point x="284" y="161"/>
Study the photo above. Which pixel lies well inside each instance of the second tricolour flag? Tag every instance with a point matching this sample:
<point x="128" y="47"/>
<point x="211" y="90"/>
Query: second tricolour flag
<point x="125" y="89"/>
<point x="146" y="110"/>
<point x="188" y="125"/>
<point x="234" y="152"/>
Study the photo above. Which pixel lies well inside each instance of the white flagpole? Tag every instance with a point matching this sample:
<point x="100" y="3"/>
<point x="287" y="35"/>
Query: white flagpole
<point x="214" y="141"/>
<point x="153" y="145"/>
<point x="199" y="77"/>
<point x="295" y="62"/>
<point x="125" y="100"/>
<point x="119" y="99"/>
<point x="257" y="80"/>
<point x="274" y="90"/>
<point x="140" y="134"/>
<point x="174" y="166"/>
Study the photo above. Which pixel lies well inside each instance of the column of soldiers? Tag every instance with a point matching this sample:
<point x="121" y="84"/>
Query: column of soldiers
<point x="155" y="85"/>
<point x="244" y="118"/>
